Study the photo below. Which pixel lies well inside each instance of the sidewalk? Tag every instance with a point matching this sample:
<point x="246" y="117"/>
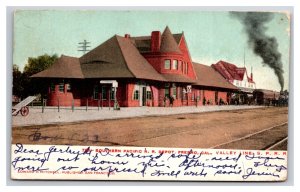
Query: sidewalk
<point x="52" y="116"/>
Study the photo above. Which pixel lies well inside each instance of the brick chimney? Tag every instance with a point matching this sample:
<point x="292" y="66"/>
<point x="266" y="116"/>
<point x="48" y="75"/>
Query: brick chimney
<point x="155" y="41"/>
<point x="127" y="36"/>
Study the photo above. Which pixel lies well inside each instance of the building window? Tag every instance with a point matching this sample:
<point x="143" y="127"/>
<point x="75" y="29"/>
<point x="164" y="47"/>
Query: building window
<point x="104" y="93"/>
<point x="149" y="95"/>
<point x="167" y="64"/>
<point x="52" y="87"/>
<point x="61" y="87"/>
<point x="174" y="92"/>
<point x="183" y="66"/>
<point x="69" y="87"/>
<point x="136" y="95"/>
<point x="96" y="92"/>
<point x="167" y="90"/>
<point x="112" y="93"/>
<point x="175" y="64"/>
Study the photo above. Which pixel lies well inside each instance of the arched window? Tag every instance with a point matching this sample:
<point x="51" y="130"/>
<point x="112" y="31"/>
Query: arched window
<point x="148" y="93"/>
<point x="136" y="92"/>
<point x="136" y="95"/>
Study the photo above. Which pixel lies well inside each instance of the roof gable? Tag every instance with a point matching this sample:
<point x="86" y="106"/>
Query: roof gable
<point x="230" y="71"/>
<point x="105" y="61"/>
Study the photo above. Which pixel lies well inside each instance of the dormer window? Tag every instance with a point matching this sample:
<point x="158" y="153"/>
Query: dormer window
<point x="175" y="64"/>
<point x="167" y="64"/>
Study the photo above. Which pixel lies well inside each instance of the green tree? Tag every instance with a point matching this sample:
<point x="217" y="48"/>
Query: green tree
<point x="33" y="86"/>
<point x="38" y="64"/>
<point x="17" y="81"/>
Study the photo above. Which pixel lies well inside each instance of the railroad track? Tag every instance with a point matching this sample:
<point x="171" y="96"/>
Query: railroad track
<point x="280" y="145"/>
<point x="272" y="138"/>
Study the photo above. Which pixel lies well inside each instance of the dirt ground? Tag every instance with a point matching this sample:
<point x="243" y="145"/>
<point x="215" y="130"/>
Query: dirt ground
<point x="262" y="140"/>
<point x="202" y="130"/>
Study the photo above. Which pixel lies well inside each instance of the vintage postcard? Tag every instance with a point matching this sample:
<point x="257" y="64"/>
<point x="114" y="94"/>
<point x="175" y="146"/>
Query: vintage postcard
<point x="150" y="95"/>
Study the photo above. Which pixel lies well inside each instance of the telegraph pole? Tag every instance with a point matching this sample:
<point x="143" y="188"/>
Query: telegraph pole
<point x="83" y="46"/>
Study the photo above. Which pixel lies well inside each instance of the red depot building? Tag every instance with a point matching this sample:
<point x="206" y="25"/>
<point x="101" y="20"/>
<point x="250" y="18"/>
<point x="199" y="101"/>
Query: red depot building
<point x="239" y="77"/>
<point x="154" y="70"/>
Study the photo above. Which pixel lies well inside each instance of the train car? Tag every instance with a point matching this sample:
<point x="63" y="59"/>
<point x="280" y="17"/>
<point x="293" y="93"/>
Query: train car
<point x="266" y="97"/>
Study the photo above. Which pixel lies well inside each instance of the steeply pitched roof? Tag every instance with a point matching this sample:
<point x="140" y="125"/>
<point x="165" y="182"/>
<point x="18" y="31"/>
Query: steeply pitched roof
<point x="136" y="63"/>
<point x="207" y="76"/>
<point x="64" y="67"/>
<point x="168" y="42"/>
<point x="105" y="61"/>
<point x="231" y="71"/>
<point x="117" y="58"/>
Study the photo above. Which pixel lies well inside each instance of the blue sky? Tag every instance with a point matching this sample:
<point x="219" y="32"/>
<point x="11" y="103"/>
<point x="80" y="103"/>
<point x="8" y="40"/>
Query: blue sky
<point x="211" y="36"/>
